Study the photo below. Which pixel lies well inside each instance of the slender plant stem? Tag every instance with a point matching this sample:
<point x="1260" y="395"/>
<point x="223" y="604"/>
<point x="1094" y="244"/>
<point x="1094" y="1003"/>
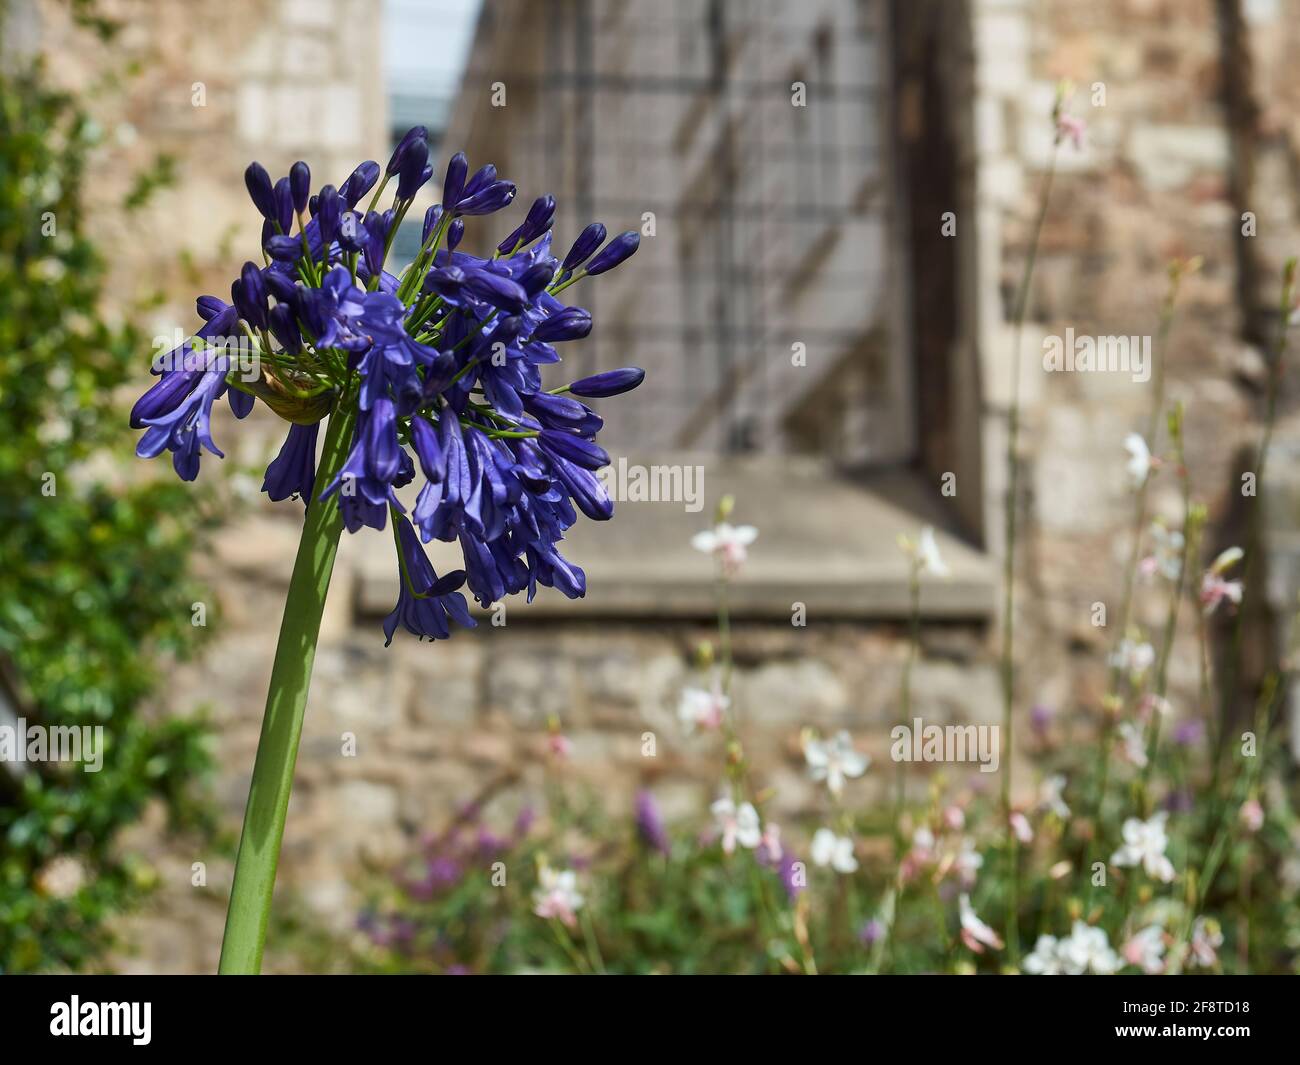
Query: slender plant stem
<point x="277" y="749"/>
<point x="1254" y="541"/>
<point x="1009" y="563"/>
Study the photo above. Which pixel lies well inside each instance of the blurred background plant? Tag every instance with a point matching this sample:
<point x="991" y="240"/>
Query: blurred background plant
<point x="96" y="593"/>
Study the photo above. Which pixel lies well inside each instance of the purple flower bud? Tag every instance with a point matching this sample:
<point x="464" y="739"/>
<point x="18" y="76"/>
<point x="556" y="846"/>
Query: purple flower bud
<point x="208" y="307"/>
<point x="328" y="212"/>
<point x="284" y="205"/>
<point x="491" y="198"/>
<point x="541" y="215"/>
<point x="454" y="183"/>
<point x="580" y="452"/>
<point x="572" y="323"/>
<point x="258" y="182"/>
<point x="352" y="231"/>
<point x="300" y="184"/>
<point x="498" y="290"/>
<point x="588" y="241"/>
<point x="249" y="296"/>
<point x="609" y="383"/>
<point x="649" y="823"/>
<point x="284" y="327"/>
<point x="165" y="396"/>
<point x="424" y="438"/>
<point x="411" y="173"/>
<point x="283" y="248"/>
<point x="431" y="219"/>
<point x="556" y="411"/>
<point x="415" y="133"/>
<point x="455" y="232"/>
<point x="483" y="177"/>
<point x="537" y="277"/>
<point x="613" y="253"/>
<point x="446" y="281"/>
<point x="279" y="284"/>
<point x="359" y="182"/>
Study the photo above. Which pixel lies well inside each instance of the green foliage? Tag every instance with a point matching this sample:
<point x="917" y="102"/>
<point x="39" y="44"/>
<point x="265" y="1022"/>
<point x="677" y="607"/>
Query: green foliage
<point x="94" y="587"/>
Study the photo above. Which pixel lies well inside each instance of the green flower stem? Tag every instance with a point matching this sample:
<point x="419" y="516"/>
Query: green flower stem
<point x="1008" y="665"/>
<point x="277" y="749"/>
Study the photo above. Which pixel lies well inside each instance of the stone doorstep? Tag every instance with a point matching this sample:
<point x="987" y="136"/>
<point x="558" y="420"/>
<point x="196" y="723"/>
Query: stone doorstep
<point x="824" y="540"/>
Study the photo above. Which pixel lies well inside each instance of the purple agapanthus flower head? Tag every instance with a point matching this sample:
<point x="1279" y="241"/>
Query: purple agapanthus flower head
<point x="436" y="372"/>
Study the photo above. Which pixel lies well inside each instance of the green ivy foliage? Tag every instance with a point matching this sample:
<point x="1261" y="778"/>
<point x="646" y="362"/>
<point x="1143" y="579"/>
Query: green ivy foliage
<point x="95" y="588"/>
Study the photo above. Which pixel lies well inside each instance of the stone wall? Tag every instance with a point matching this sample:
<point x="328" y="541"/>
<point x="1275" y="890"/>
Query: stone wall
<point x="435" y="724"/>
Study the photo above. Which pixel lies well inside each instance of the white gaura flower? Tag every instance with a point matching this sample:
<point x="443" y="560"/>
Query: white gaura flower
<point x="1166" y="558"/>
<point x="1215" y="588"/>
<point x="1146" y="950"/>
<point x="835" y="851"/>
<point x="968" y="862"/>
<point x="1139" y="459"/>
<point x="1044" y="959"/>
<point x="1020" y="826"/>
<point x="727" y="542"/>
<point x="1207" y="938"/>
<point x="1051" y="796"/>
<point x="1133" y="657"/>
<point x="557" y="895"/>
<point x="833" y="760"/>
<point x="928" y="559"/>
<point x="1133" y="743"/>
<point x="1086" y="950"/>
<point x="737" y="824"/>
<point x="702" y="709"/>
<point x="974" y="932"/>
<point x="1144" y="845"/>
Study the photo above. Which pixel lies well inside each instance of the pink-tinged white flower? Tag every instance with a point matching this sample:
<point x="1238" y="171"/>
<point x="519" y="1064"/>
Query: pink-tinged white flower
<point x="921" y="853"/>
<point x="1215" y="587"/>
<point x="1070" y="128"/>
<point x="954" y="818"/>
<point x="835" y="851"/>
<point x="1085" y="950"/>
<point x="834" y="760"/>
<point x="1051" y="796"/>
<point x="1133" y="657"/>
<point x="1020" y="826"/>
<point x="1139" y="459"/>
<point x="974" y="932"/>
<point x="701" y="709"/>
<point x="1151" y="703"/>
<point x="1144" y="845"/>
<point x="560" y="746"/>
<point x="1146" y="950"/>
<point x="1207" y="938"/>
<point x="728" y="542"/>
<point x="738" y="824"/>
<point x="1166" y="558"/>
<point x="769" y="849"/>
<point x="1251" y="815"/>
<point x="1133" y="743"/>
<point x="967" y="862"/>
<point x="557" y="895"/>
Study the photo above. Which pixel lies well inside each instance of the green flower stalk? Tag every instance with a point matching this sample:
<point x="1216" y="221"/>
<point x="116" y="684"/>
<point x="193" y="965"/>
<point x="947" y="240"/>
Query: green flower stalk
<point x="1066" y="126"/>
